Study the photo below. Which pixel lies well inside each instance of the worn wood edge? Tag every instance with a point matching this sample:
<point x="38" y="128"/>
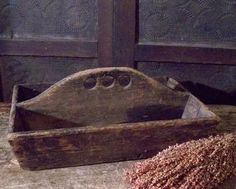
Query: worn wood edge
<point x="33" y="164"/>
<point x="12" y="115"/>
<point x="186" y="54"/>
<point x="53" y="94"/>
<point x="35" y="168"/>
<point x="227" y="45"/>
<point x="42" y="156"/>
<point x="124" y="36"/>
<point x="59" y="48"/>
<point x="85" y="73"/>
<point x="118" y="132"/>
<point x="213" y="121"/>
<point x="205" y="107"/>
<point x="105" y="32"/>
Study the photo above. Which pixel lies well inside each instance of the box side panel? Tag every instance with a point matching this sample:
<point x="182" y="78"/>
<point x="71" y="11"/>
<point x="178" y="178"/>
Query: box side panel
<point x="15" y="121"/>
<point x="104" y="145"/>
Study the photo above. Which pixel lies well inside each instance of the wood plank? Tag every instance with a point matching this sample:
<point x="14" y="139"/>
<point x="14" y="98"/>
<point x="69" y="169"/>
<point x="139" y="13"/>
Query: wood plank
<point x="61" y="48"/>
<point x="113" y="143"/>
<point x="186" y="54"/>
<point x="101" y="93"/>
<point x="100" y="176"/>
<point x="124" y="25"/>
<point x="109" y="175"/>
<point x="227" y="114"/>
<point x="39" y="69"/>
<point x="105" y="20"/>
<point x="53" y="127"/>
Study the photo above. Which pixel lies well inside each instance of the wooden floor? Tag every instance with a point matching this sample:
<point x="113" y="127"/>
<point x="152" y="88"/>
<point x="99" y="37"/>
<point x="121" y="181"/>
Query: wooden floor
<point x="102" y="176"/>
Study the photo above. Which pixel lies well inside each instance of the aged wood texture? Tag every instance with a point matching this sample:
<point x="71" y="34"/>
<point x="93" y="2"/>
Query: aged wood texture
<point x="99" y="94"/>
<point x="204" y="54"/>
<point x="118" y="32"/>
<point x="61" y="48"/>
<point x="105" y="28"/>
<point x="89" y="145"/>
<point x="124" y="24"/>
<point x="101" y="176"/>
<point x="35" y="70"/>
<point x="46" y="32"/>
<point x="83" y="119"/>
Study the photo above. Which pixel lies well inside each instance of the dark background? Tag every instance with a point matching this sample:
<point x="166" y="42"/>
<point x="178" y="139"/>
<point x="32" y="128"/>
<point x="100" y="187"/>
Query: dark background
<point x="193" y="41"/>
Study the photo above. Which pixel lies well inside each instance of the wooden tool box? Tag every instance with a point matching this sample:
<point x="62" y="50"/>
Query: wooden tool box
<point x="103" y="115"/>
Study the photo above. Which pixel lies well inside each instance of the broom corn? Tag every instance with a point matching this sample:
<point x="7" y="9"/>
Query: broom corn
<point x="197" y="164"/>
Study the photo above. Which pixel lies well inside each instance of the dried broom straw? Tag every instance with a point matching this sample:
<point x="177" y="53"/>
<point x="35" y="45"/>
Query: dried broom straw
<point x="200" y="164"/>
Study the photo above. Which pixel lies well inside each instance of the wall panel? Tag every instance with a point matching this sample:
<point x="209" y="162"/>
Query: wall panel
<point x="187" y="21"/>
<point x="33" y="70"/>
<point x="57" y="19"/>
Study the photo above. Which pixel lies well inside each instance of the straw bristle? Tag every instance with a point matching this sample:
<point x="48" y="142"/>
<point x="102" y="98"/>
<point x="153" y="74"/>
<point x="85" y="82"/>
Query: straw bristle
<point x="200" y="164"/>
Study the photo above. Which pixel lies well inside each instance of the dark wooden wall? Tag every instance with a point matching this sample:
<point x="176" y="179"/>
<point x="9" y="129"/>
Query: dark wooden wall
<point x="45" y="40"/>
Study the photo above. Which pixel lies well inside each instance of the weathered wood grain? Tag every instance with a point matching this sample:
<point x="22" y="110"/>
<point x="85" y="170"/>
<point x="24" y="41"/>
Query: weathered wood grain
<point x="179" y="53"/>
<point x="106" y="96"/>
<point x="103" y="115"/>
<point x="100" y="176"/>
<point x="62" y="48"/>
<point x="105" y="34"/>
<point x="124" y="32"/>
<point x="89" y="145"/>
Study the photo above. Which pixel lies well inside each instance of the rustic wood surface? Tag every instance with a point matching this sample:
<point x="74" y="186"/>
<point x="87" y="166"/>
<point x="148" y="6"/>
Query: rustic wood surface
<point x="99" y="176"/>
<point x="146" y="122"/>
<point x="99" y="93"/>
<point x="63" y="48"/>
<point x="105" y="32"/>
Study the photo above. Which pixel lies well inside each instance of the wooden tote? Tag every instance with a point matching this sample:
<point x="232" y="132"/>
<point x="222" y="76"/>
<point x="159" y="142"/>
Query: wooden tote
<point x="103" y="115"/>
